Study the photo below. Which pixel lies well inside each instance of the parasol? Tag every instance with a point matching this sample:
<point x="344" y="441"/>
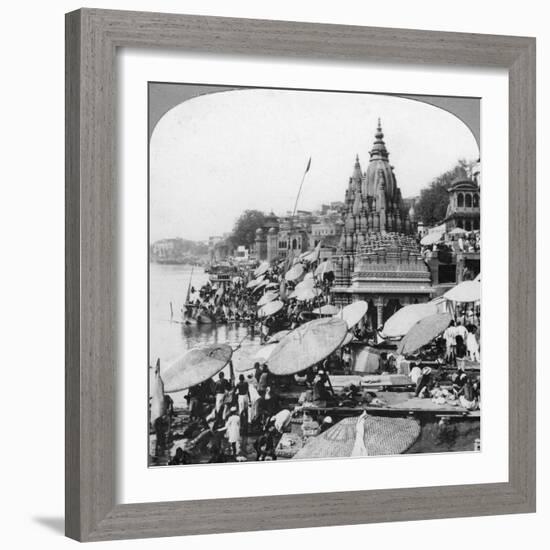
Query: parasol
<point x="261" y="269"/>
<point x="325" y="267"/>
<point x="327" y="309"/>
<point x="467" y="291"/>
<point x="403" y="319"/>
<point x="270" y="309"/>
<point x="261" y="284"/>
<point x="196" y="366"/>
<point x="265" y="351"/>
<point x="353" y="313"/>
<point x="312" y="256"/>
<point x="431" y="238"/>
<point x="381" y="436"/>
<point x="304" y="285"/>
<point x="423" y="332"/>
<point x="294" y="273"/>
<point x="254" y="282"/>
<point x="306" y="345"/>
<point x="244" y="357"/>
<point x="457" y="231"/>
<point x="306" y="294"/>
<point x="267" y="297"/>
<point x="274" y="338"/>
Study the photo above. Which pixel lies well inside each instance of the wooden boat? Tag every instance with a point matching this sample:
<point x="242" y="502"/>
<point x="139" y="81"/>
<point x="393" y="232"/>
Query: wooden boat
<point x="203" y="319"/>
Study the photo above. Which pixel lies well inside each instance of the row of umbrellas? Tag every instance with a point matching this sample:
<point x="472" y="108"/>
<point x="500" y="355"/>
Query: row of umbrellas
<point x="287" y="352"/>
<point x="405" y="318"/>
<point x="419" y="324"/>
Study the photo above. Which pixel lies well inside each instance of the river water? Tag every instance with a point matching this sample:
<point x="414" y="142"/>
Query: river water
<point x="169" y="338"/>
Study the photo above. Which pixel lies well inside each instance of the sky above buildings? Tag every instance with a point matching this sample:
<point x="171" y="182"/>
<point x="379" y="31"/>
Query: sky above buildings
<point x="214" y="156"/>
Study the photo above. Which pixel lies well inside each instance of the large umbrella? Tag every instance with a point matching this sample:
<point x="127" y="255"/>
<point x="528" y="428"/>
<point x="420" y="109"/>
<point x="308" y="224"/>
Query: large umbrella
<point x="353" y="313"/>
<point x="431" y="238"/>
<point x="265" y="351"/>
<point x="261" y="269"/>
<point x="304" y="285"/>
<point x="423" y="332"/>
<point x="467" y="291"/>
<point x="381" y="436"/>
<point x="244" y="357"/>
<point x="260" y="285"/>
<point x="313" y="256"/>
<point x="325" y="267"/>
<point x="267" y="297"/>
<point x="254" y="282"/>
<point x="306" y="345"/>
<point x="196" y="366"/>
<point x="457" y="231"/>
<point x="306" y="294"/>
<point x="327" y="309"/>
<point x="294" y="273"/>
<point x="402" y="320"/>
<point x="274" y="338"/>
<point x="271" y="308"/>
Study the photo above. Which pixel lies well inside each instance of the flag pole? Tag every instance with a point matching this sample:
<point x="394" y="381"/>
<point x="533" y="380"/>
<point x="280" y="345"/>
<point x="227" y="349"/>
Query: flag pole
<point x="300" y="188"/>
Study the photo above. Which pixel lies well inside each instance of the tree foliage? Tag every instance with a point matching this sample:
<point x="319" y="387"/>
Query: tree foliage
<point x="434" y="199"/>
<point x="244" y="230"/>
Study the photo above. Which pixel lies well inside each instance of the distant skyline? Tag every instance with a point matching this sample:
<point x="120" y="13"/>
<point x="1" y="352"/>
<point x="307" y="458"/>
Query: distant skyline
<point x="214" y="156"/>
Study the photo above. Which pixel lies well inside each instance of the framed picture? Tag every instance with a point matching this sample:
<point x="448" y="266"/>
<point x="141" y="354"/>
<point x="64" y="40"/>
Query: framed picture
<point x="275" y="312"/>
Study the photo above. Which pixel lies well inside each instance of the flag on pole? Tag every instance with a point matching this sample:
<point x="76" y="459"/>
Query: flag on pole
<point x="308" y="165"/>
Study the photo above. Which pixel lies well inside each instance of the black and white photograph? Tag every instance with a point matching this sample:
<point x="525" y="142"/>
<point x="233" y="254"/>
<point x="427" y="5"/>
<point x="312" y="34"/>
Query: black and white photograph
<point x="314" y="274"/>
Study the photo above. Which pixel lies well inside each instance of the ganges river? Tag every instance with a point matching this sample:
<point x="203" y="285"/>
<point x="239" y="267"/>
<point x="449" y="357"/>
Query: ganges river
<point x="169" y="338"/>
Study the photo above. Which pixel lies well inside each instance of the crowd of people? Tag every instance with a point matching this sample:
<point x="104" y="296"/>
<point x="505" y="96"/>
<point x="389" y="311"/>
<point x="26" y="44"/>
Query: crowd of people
<point x="232" y="417"/>
<point x="235" y="301"/>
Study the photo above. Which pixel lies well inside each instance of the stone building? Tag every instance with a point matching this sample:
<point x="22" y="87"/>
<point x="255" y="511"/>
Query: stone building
<point x="458" y="260"/>
<point x="378" y="258"/>
<point x="464" y="205"/>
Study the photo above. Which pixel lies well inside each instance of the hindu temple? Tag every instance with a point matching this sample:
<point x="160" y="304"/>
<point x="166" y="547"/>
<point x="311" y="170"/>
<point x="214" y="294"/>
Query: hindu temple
<point x="378" y="258"/>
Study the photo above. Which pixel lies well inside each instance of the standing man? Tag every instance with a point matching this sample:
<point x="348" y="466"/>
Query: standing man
<point x="450" y="340"/>
<point x="243" y="396"/>
<point x="221" y="387"/>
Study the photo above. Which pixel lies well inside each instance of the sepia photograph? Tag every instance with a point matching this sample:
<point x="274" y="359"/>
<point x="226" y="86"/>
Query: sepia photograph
<point x="314" y="274"/>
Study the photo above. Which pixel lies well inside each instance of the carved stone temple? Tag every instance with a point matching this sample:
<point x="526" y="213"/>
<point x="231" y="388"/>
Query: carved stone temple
<point x="378" y="257"/>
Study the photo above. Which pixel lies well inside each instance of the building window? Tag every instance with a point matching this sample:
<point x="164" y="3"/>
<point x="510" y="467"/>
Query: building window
<point x="476" y="224"/>
<point x="460" y="200"/>
<point x="476" y="201"/>
<point x="294" y="244"/>
<point x="468" y="225"/>
<point x="469" y="200"/>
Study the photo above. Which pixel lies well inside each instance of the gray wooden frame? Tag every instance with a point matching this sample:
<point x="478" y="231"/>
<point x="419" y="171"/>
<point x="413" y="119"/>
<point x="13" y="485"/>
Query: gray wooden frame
<point x="92" y="39"/>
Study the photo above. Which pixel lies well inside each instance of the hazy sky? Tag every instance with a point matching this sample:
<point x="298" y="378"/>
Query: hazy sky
<point x="216" y="155"/>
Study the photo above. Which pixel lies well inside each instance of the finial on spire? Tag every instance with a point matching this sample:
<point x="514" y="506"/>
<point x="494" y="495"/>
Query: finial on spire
<point x="379" y="135"/>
